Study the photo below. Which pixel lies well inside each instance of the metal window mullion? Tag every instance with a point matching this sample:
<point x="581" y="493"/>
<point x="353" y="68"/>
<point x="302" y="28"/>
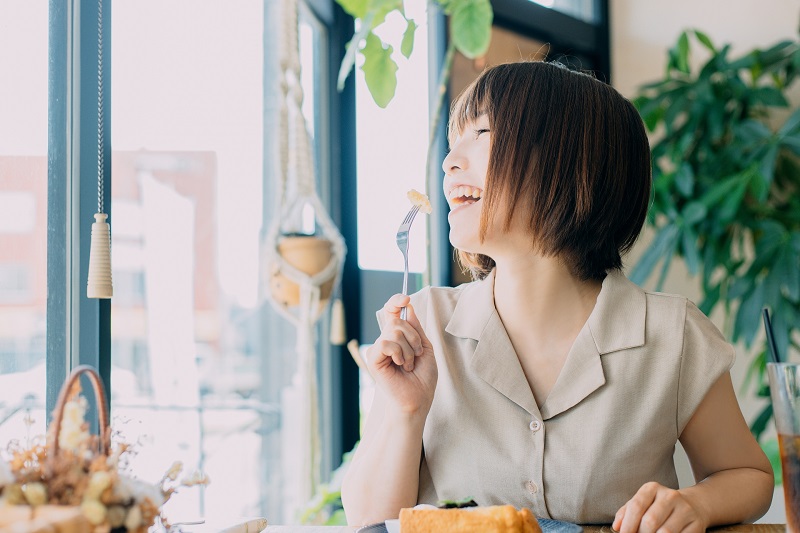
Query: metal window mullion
<point x="78" y="328"/>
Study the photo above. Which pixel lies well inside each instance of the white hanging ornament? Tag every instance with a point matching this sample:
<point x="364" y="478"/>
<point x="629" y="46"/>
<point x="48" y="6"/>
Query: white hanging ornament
<point x="99" y="284"/>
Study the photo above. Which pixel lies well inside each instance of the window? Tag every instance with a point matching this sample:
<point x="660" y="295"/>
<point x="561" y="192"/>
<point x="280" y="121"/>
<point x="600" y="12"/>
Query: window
<point x="23" y="218"/>
<point x="197" y="363"/>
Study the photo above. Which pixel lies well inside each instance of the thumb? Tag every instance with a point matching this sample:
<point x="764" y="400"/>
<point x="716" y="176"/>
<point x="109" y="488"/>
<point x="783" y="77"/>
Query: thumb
<point x="393" y="306"/>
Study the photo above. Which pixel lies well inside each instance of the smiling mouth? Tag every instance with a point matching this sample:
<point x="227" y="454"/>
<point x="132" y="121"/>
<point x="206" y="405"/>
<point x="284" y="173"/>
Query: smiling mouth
<point x="464" y="195"/>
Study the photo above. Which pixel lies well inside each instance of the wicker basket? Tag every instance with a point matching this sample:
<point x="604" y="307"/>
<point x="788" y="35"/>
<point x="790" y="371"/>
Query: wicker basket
<point x="59" y="518"/>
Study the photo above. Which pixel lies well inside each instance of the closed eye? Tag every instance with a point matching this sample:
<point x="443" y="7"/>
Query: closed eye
<point x="479" y="131"/>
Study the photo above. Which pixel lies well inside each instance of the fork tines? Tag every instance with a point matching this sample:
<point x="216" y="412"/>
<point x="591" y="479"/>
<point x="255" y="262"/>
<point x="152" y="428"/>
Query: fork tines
<point x="410" y="215"/>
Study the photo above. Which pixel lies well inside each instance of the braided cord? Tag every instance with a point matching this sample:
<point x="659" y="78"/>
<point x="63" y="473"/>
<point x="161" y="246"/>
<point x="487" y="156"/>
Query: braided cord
<point x="100" y="108"/>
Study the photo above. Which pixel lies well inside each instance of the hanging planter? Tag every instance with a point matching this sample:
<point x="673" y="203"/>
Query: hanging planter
<point x="309" y="254"/>
<point x="303" y="253"/>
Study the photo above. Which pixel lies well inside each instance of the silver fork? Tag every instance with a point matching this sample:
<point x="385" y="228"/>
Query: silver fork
<point x="402" y="243"/>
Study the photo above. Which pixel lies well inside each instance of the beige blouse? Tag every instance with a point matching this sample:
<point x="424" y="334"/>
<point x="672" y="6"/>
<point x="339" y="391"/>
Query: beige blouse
<point x="632" y="380"/>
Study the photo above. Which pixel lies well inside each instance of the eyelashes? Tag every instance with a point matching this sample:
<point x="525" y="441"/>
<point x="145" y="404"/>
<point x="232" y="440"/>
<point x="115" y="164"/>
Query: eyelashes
<point x="479" y="131"/>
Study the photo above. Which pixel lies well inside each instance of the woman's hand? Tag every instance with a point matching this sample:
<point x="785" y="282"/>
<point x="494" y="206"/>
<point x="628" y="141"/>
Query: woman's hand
<point x="658" y="509"/>
<point x="401" y="361"/>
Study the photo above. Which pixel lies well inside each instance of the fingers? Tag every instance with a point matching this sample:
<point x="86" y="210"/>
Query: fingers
<point x="636" y="507"/>
<point x="394" y="305"/>
<point x="399" y="342"/>
<point x="657" y="509"/>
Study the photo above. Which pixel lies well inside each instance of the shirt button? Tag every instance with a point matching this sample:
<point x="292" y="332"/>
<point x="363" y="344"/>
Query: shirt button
<point x="535" y="425"/>
<point x="531" y="487"/>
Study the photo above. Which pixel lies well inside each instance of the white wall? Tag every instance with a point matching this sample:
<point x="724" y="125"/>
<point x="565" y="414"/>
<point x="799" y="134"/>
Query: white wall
<point x="641" y="33"/>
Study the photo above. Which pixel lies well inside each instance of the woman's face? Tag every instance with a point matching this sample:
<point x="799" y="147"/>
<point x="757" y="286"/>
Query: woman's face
<point x="464" y="180"/>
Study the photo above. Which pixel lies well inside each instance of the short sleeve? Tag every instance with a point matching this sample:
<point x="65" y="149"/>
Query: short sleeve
<point x="705" y="357"/>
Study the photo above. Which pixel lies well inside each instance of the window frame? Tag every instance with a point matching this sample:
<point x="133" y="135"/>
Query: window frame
<point x="78" y="328"/>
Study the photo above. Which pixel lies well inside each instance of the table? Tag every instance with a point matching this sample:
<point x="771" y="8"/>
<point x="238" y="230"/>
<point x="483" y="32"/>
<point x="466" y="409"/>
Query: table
<point x="741" y="528"/>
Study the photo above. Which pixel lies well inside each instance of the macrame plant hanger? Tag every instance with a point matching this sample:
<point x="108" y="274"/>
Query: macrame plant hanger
<point x="98" y="283"/>
<point x="314" y="283"/>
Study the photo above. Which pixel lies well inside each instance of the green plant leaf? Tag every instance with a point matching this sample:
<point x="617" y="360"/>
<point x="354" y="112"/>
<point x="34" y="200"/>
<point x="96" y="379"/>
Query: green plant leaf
<point x="350" y="54"/>
<point x="693" y="213"/>
<point x="768" y="96"/>
<point x="355" y="8"/>
<point x="703" y="38"/>
<point x="760" y="423"/>
<point x="767" y="166"/>
<point x="690" y="253"/>
<point x="684" y="179"/>
<point x="659" y="248"/>
<point x="471" y="27"/>
<point x="791" y="125"/>
<point x="682" y="53"/>
<point x="407" y="45"/>
<point x="772" y="451"/>
<point x="381" y="8"/>
<point x="337" y="518"/>
<point x="731" y="204"/>
<point x="787" y="270"/>
<point x="782" y="317"/>
<point x="710" y="299"/>
<point x="752" y="131"/>
<point x="380" y="70"/>
<point x="748" y="315"/>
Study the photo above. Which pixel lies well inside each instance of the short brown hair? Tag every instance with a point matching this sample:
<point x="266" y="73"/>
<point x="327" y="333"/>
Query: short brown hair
<point x="567" y="151"/>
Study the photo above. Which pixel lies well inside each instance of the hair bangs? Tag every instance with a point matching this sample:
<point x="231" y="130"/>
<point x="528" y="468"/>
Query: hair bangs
<point x="473" y="102"/>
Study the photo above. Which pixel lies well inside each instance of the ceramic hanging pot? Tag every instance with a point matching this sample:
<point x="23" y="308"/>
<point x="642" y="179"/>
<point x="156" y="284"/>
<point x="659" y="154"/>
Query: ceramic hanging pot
<point x="309" y="254"/>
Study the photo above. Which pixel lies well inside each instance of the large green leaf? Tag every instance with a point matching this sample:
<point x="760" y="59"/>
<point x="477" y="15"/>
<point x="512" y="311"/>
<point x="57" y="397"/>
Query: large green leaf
<point x="770" y="447"/>
<point x="682" y="53"/>
<point x="703" y="38"/>
<point x="693" y="213"/>
<point x="791" y="125"/>
<point x="760" y="423"/>
<point x="767" y="165"/>
<point x="381" y="8"/>
<point x="471" y="26"/>
<point x="352" y="48"/>
<point x="768" y="96"/>
<point x="662" y="243"/>
<point x="787" y="269"/>
<point x="380" y="70"/>
<point x="407" y="46"/>
<point x="355" y="8"/>
<point x="684" y="179"/>
<point x="690" y="253"/>
<point x="748" y="316"/>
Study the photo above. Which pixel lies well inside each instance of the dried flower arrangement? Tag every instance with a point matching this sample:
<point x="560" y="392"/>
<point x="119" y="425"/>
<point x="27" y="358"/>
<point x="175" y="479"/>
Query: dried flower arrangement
<point x="74" y="468"/>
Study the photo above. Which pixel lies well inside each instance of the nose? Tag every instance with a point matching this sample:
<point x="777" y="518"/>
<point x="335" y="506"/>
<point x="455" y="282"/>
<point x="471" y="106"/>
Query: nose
<point x="454" y="161"/>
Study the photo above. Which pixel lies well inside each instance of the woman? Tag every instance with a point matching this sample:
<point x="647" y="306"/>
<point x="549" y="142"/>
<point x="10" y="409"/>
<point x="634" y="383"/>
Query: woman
<point x="552" y="382"/>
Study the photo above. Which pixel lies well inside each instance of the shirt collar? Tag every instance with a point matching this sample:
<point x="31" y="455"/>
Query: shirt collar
<point x="617" y="322"/>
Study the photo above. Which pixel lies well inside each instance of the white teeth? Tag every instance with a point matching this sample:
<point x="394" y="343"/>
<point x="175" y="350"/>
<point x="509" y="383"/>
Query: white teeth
<point x="465" y="190"/>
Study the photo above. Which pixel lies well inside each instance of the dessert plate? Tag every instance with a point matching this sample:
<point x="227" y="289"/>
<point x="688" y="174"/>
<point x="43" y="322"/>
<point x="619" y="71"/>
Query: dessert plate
<point x="547" y="525"/>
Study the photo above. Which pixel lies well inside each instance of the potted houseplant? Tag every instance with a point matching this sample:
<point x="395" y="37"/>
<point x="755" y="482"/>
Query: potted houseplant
<point x="726" y="177"/>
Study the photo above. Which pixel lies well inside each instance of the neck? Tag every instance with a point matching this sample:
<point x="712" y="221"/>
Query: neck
<point x="540" y="295"/>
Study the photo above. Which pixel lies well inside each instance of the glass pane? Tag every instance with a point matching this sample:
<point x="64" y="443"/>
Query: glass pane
<point x="585" y="10"/>
<point x="23" y="218"/>
<point x="202" y="366"/>
<point x="194" y="377"/>
<point x="392" y="147"/>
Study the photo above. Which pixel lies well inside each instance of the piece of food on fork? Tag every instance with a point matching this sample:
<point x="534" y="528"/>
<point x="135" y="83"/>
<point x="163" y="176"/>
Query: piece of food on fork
<point x="420" y="199"/>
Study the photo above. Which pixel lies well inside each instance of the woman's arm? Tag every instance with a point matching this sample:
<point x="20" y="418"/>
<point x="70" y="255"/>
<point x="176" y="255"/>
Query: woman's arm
<point x="384" y="474"/>
<point x="735" y="477"/>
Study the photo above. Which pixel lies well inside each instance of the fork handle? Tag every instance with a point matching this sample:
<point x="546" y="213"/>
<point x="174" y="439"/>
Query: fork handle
<point x="403" y="310"/>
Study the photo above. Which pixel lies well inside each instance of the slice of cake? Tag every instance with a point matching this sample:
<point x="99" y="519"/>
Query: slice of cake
<point x="492" y="519"/>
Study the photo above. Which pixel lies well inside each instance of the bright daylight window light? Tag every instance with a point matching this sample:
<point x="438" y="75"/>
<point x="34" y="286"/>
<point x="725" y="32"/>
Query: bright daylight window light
<point x="392" y="145"/>
<point x="545" y="3"/>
